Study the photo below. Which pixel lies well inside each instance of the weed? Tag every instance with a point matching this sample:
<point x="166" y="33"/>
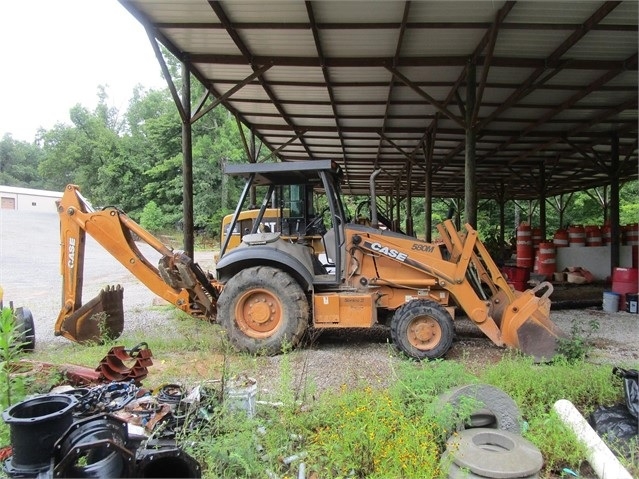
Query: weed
<point x="12" y="387"/>
<point x="366" y="433"/>
<point x="535" y="388"/>
<point x="578" y="345"/>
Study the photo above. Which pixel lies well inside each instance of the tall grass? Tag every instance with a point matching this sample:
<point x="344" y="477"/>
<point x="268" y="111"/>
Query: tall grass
<point x="357" y="430"/>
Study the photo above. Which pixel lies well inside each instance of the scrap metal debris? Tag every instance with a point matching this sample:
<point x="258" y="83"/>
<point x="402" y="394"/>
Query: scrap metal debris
<point x="119" y="364"/>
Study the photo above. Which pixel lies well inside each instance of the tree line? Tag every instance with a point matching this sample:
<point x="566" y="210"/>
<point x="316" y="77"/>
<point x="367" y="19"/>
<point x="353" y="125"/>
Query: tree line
<point x="133" y="160"/>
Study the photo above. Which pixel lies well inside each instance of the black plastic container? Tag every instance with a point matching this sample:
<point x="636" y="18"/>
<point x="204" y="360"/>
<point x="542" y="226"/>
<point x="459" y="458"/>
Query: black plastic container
<point x="632" y="303"/>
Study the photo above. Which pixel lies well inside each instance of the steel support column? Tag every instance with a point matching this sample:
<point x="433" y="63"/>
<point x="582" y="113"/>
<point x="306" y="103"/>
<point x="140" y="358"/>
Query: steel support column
<point x="502" y="221"/>
<point x="428" y="193"/>
<point x="409" y="200"/>
<point x="398" y="220"/>
<point x="187" y="163"/>
<point x="470" y="165"/>
<point x="542" y="199"/>
<point x="614" y="200"/>
<point x="252" y="159"/>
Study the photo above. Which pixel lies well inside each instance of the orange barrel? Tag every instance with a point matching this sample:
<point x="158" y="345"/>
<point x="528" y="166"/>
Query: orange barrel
<point x="560" y="239"/>
<point x="525" y="257"/>
<point x="630" y="234"/>
<point x="606" y="234"/>
<point x="576" y="236"/>
<point x="535" y="234"/>
<point x="625" y="280"/>
<point x="546" y="263"/>
<point x="593" y="236"/>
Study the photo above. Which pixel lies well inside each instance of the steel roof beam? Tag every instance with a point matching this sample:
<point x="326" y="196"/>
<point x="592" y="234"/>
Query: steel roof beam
<point x="616" y="27"/>
<point x="398" y="48"/>
<point x="607" y="113"/>
<point x="363" y="84"/>
<point x="579" y="95"/>
<point x="250" y="59"/>
<point x="551" y="61"/>
<point x="327" y="81"/>
<point x="492" y="40"/>
<point x="433" y="61"/>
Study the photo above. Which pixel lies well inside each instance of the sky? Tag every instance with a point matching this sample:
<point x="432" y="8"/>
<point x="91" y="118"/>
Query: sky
<point x="55" y="54"/>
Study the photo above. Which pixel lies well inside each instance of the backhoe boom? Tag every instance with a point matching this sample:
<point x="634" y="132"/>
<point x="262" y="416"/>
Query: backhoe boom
<point x="177" y="278"/>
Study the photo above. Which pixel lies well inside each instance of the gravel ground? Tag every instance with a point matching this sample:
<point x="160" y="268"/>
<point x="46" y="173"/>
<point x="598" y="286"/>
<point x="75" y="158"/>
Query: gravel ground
<point x="30" y="277"/>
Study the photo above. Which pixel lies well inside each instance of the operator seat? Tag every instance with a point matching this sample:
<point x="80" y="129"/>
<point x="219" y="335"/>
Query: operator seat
<point x="329" y="246"/>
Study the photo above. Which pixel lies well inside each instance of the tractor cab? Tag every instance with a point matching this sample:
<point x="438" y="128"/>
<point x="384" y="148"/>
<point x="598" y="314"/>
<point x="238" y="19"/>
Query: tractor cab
<point x="299" y="222"/>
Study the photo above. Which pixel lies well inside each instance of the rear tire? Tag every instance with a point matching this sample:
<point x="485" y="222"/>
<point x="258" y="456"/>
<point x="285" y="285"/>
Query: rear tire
<point x="25" y="329"/>
<point x="422" y="329"/>
<point x="263" y="309"/>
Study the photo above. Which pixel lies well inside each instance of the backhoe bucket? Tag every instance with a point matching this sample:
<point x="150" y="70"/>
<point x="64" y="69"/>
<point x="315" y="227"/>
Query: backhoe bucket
<point x="99" y="319"/>
<point x="525" y="325"/>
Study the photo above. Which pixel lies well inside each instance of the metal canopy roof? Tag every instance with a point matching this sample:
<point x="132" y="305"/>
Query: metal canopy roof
<point x="383" y="84"/>
<point x="290" y="173"/>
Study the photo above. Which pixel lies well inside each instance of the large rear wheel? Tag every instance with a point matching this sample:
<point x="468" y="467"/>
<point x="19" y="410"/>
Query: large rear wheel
<point x="262" y="310"/>
<point x="422" y="329"/>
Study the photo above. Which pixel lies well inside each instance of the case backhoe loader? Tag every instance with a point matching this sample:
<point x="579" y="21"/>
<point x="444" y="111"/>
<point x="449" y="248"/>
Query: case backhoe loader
<point x="299" y="263"/>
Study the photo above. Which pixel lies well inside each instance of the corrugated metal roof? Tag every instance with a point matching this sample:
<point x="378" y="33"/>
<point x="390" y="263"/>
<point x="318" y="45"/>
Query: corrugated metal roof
<point x="383" y="84"/>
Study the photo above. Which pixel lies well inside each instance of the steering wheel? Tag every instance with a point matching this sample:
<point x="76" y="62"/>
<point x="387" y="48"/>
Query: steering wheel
<point x="317" y="224"/>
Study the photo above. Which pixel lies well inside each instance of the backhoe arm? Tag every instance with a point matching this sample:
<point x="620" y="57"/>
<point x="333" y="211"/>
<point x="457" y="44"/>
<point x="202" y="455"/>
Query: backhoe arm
<point x="176" y="279"/>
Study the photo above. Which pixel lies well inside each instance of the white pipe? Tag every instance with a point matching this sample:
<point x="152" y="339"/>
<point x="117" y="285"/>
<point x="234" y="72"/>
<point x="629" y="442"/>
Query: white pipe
<point x="603" y="461"/>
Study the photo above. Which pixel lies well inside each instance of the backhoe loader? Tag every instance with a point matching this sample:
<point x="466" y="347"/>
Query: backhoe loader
<point x="300" y="263"/>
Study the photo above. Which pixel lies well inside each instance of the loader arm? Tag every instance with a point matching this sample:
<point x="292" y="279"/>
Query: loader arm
<point x="518" y="320"/>
<point x="177" y="279"/>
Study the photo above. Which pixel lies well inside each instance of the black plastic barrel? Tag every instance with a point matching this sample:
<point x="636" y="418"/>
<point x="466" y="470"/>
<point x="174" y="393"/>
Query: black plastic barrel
<point x="35" y="425"/>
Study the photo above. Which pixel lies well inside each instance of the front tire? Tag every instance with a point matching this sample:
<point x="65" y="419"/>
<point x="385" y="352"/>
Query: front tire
<point x="263" y="309"/>
<point x="422" y="329"/>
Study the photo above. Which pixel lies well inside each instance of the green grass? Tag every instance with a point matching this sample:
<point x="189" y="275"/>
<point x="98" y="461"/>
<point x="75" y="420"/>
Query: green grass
<point x="355" y="431"/>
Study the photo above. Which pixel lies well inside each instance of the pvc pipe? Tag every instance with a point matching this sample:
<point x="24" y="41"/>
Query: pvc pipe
<point x="603" y="461"/>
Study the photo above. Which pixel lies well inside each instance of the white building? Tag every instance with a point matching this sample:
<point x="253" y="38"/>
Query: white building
<point x="28" y="199"/>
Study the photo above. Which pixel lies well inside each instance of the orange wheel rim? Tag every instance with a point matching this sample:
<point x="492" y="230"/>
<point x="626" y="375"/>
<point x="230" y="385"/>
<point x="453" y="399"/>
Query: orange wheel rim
<point x="258" y="313"/>
<point x="424" y="333"/>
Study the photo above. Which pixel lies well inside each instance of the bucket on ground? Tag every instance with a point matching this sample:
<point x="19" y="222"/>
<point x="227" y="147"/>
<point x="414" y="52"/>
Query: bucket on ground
<point x="610" y="302"/>
<point x="632" y="301"/>
<point x="625" y="280"/>
<point x="240" y="394"/>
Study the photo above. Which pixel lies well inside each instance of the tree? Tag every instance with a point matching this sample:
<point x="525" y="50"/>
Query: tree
<point x="75" y="154"/>
<point x="19" y="163"/>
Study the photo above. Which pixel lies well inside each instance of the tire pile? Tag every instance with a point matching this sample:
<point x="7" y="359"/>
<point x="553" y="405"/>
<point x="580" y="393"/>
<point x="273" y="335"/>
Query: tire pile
<point x="489" y="444"/>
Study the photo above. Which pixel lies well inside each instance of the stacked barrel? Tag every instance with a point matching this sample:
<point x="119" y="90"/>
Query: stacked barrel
<point x="538" y="254"/>
<point x="525" y="250"/>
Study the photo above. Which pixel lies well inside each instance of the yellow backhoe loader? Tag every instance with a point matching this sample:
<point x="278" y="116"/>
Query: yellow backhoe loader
<point x="301" y="263"/>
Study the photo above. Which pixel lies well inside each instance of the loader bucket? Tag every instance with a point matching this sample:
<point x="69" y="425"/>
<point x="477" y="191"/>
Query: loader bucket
<point x="87" y="324"/>
<point x="525" y="324"/>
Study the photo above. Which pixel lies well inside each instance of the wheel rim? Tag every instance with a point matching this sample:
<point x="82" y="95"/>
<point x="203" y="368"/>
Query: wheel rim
<point x="424" y="333"/>
<point x="258" y="313"/>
